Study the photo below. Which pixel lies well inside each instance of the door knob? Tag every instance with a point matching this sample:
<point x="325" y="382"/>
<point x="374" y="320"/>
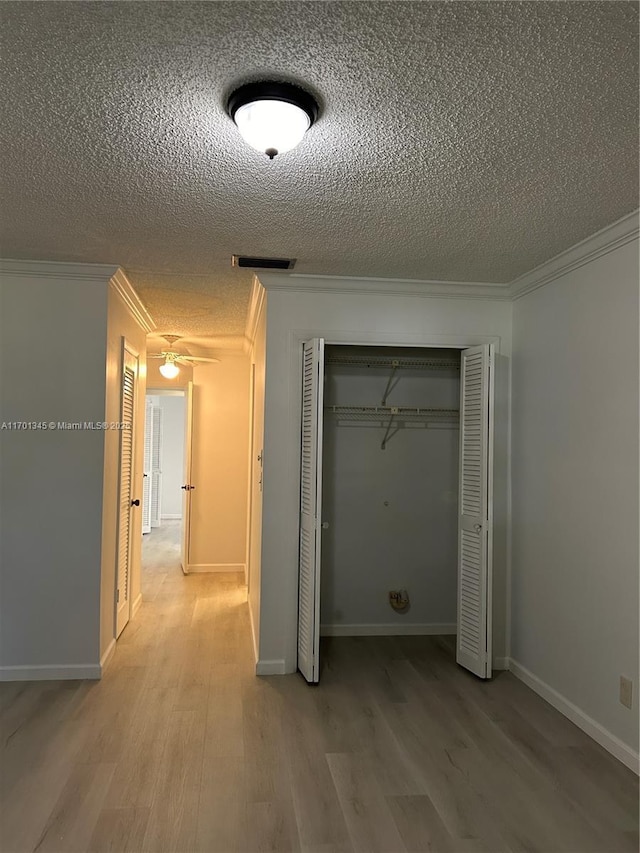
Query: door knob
<point x="136" y="502"/>
<point x="477" y="528"/>
<point x="188" y="488"/>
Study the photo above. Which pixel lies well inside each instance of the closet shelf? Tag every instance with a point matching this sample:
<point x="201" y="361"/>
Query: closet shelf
<point x="395" y="417"/>
<point x="400" y="363"/>
<point x="400" y="413"/>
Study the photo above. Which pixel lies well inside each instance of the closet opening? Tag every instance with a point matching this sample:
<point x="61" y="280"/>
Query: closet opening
<point x="395" y="532"/>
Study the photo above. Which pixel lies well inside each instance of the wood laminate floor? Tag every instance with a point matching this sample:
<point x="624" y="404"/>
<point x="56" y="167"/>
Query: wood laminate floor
<point x="181" y="748"/>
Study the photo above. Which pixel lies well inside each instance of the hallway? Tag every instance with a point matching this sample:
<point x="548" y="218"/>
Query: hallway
<point x="181" y="748"/>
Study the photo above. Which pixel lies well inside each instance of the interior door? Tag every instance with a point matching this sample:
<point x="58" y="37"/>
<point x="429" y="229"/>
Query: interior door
<point x="310" y="508"/>
<point x="475" y="507"/>
<point x="127" y="501"/>
<point x="146" y="468"/>
<point x="187" y="486"/>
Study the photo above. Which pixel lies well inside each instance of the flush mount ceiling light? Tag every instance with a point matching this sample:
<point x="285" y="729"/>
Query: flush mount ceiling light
<point x="272" y="117"/>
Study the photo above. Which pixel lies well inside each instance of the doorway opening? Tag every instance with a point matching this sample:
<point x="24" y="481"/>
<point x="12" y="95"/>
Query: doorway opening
<point x="396" y="497"/>
<point x="166" y="487"/>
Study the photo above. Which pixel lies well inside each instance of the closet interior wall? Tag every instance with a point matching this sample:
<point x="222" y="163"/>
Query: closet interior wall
<point x="389" y="515"/>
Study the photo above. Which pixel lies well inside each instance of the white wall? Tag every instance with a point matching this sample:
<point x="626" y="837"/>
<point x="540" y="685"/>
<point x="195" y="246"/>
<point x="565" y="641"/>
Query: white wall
<point x="348" y="317"/>
<point x="392" y="513"/>
<point x="172" y="461"/>
<point x="575" y="487"/>
<point x="220" y="464"/>
<point x="52" y="368"/>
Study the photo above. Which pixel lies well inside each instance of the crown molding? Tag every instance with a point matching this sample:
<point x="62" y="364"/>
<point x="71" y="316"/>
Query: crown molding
<point x="390" y="286"/>
<point x="57" y="269"/>
<point x="601" y="243"/>
<point x="256" y="303"/>
<point x="136" y="307"/>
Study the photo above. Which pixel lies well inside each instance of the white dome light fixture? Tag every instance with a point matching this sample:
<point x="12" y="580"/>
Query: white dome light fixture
<point x="169" y="369"/>
<point x="272" y="117"/>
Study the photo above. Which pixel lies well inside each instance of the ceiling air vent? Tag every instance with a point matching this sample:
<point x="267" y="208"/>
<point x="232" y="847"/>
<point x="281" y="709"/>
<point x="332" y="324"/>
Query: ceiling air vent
<point x="262" y="263"/>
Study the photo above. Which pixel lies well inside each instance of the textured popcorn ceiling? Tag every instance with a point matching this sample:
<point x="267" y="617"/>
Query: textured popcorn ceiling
<point x="457" y="141"/>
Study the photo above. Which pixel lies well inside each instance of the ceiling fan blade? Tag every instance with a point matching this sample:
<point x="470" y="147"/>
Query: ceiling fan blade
<point x="155" y="355"/>
<point x="189" y="358"/>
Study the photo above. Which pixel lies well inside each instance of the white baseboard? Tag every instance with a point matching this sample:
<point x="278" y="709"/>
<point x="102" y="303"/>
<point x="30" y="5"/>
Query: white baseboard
<point x="204" y="568"/>
<point x="171" y="517"/>
<point x="136" y="605"/>
<point x="270" y="667"/>
<point x="106" y="657"/>
<point x="51" y="672"/>
<point x="501" y="663"/>
<point x="389" y="629"/>
<point x="588" y="725"/>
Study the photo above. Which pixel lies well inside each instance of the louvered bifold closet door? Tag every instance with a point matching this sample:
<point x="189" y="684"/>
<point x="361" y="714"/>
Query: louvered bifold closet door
<point x="146" y="482"/>
<point x="156" y="468"/>
<point x="310" y="507"/>
<point x="129" y="375"/>
<point x="474" y="530"/>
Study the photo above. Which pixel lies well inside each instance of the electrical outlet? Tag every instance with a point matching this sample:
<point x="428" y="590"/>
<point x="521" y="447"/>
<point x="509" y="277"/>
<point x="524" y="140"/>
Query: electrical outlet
<point x="626" y="691"/>
<point x="399" y="600"/>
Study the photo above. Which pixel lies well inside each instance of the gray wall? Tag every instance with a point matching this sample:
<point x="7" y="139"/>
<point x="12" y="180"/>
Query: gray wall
<point x="575" y="486"/>
<point x="52" y="368"/>
<point x="392" y="513"/>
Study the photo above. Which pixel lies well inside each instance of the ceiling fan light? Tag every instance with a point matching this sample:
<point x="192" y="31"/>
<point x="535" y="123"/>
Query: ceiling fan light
<point x="169" y="370"/>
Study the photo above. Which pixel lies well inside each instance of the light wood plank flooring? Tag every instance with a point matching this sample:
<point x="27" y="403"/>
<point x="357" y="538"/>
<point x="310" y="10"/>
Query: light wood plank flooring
<point x="181" y="748"/>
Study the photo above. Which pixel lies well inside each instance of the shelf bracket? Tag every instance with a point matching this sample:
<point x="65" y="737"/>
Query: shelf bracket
<point x="388" y="433"/>
<point x="394" y="366"/>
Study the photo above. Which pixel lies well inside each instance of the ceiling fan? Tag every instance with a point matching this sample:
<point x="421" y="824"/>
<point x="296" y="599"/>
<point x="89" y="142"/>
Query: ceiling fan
<point x="172" y="358"/>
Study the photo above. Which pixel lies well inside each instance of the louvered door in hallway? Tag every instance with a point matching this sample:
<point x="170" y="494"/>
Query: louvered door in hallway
<point x="127" y="499"/>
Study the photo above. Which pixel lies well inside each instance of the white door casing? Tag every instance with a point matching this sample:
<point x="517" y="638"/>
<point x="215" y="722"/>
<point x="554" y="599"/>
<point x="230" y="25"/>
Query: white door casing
<point x="156" y="467"/>
<point x="146" y="481"/>
<point x="473" y="646"/>
<point x="128" y="402"/>
<point x="187" y="485"/>
<point x="310" y="508"/>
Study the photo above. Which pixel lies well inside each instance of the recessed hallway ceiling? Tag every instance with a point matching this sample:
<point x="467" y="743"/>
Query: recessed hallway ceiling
<point x="457" y="141"/>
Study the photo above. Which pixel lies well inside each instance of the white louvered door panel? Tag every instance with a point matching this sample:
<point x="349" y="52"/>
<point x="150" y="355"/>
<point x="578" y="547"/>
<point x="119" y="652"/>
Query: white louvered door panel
<point x="475" y="507"/>
<point x="310" y="507"/>
<point x="156" y="467"/>
<point x="128" y="402"/>
<point x="146" y="482"/>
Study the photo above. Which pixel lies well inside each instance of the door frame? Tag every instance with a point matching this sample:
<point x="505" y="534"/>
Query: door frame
<point x="126" y="348"/>
<point x="180" y="391"/>
<point x="250" y="488"/>
<point x="378" y="339"/>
